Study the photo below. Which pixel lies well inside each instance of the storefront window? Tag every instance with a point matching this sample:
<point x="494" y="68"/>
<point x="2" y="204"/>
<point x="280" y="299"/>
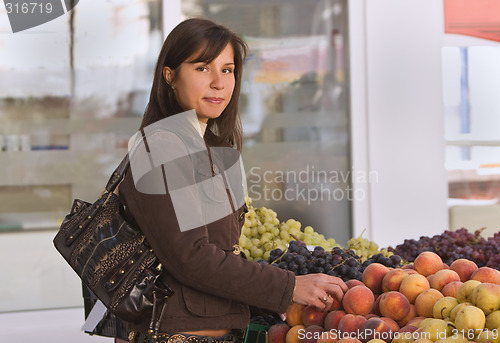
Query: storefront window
<point x="293" y="107"/>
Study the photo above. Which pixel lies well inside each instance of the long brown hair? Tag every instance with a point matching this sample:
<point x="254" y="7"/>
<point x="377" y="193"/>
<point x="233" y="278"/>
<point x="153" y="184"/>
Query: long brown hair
<point x="208" y="39"/>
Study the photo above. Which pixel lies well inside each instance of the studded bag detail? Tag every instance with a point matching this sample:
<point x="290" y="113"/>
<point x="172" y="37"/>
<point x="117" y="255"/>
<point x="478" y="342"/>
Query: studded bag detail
<point x="112" y="257"/>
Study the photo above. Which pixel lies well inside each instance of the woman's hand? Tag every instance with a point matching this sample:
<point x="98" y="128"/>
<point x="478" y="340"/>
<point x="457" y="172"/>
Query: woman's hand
<point x="318" y="290"/>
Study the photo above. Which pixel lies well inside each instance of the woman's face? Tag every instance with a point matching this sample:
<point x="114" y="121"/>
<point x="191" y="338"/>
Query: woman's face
<point x="206" y="88"/>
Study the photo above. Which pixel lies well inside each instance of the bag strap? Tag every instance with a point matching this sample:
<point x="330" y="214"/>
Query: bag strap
<point x="118" y="174"/>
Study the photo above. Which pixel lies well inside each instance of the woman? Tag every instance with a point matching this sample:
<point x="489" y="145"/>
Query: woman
<point x="200" y="68"/>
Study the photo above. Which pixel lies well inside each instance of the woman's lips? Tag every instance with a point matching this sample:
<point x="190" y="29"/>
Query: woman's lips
<point x="214" y="100"/>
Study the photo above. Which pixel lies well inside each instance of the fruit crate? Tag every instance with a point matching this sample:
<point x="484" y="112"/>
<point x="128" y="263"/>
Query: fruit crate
<point x="110" y="325"/>
<point x="256" y="333"/>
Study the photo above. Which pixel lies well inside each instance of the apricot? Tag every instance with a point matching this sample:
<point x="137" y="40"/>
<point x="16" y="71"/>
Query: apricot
<point x="424" y="303"/>
<point x="311" y="334"/>
<point x="292" y="336"/>
<point x="294" y="314"/>
<point x="443" y="277"/>
<point x="394" y="305"/>
<point x="464" y="268"/>
<point x="358" y="300"/>
<point x="427" y="263"/>
<point x="373" y="276"/>
<point x="413" y="285"/>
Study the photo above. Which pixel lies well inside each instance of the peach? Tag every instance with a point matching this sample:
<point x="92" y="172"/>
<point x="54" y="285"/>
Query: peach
<point x="411" y="314"/>
<point x="332" y="319"/>
<point x="292" y="336"/>
<point x="392" y="323"/>
<point x="349" y="340"/>
<point x="312" y="316"/>
<point x="464" y="268"/>
<point x="371" y="315"/>
<point x="451" y="289"/>
<point x="336" y="305"/>
<point x="373" y="276"/>
<point x="328" y="337"/>
<point x="427" y="263"/>
<point x="410" y="271"/>
<point x="311" y="334"/>
<point x="277" y="333"/>
<point x="394" y="305"/>
<point x="404" y="335"/>
<point x="486" y="274"/>
<point x="429" y="278"/>
<point x="376" y="328"/>
<point x="351" y="325"/>
<point x="408" y="266"/>
<point x="392" y="280"/>
<point x="358" y="300"/>
<point x="443" y="277"/>
<point x="376" y="307"/>
<point x="413" y="285"/>
<point x="415" y="321"/>
<point x="294" y="314"/>
<point x="353" y="282"/>
<point x="408" y="328"/>
<point x="425" y="301"/>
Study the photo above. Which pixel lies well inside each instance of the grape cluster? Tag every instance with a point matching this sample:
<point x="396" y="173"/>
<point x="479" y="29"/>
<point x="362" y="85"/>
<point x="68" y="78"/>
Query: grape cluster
<point x="393" y="261"/>
<point x="365" y="248"/>
<point x="453" y="245"/>
<point x="263" y="232"/>
<point x="298" y="259"/>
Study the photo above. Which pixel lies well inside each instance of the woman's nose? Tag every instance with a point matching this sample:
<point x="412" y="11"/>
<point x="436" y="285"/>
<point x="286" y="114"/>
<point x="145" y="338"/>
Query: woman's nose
<point x="217" y="81"/>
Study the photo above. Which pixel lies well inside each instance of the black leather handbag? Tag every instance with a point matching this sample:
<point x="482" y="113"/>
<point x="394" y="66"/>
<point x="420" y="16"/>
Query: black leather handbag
<point x="112" y="257"/>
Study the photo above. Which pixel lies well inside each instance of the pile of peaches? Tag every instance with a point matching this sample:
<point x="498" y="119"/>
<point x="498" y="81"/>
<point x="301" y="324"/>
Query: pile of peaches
<point x="423" y="302"/>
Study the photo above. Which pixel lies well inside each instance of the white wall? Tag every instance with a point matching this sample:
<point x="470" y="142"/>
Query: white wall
<point x="398" y="118"/>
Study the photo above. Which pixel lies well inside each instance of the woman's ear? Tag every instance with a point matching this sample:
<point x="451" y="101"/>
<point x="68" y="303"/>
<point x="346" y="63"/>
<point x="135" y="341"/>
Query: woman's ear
<point x="168" y="75"/>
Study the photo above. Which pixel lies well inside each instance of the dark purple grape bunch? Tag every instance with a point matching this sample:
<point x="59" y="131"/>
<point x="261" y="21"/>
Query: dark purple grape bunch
<point x="298" y="259"/>
<point x="453" y="245"/>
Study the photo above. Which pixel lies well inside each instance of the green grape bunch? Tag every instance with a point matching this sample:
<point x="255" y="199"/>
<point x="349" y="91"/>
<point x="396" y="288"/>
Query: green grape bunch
<point x="365" y="248"/>
<point x="262" y="232"/>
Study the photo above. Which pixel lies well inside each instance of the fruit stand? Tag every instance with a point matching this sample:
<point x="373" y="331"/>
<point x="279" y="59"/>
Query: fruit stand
<point x="442" y="289"/>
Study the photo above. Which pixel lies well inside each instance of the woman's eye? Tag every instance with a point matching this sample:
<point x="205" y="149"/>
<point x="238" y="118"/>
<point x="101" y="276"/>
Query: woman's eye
<point x="227" y="71"/>
<point x="202" y="68"/>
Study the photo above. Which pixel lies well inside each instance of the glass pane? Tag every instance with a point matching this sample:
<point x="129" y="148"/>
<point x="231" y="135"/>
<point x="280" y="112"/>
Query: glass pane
<point x="293" y="107"/>
<point x="72" y="91"/>
<point x="471" y="79"/>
